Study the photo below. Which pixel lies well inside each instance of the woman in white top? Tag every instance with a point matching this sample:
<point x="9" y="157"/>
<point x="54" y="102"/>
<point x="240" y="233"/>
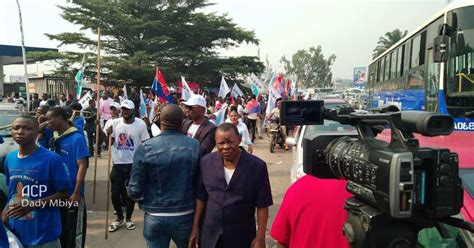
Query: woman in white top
<point x="243" y="131"/>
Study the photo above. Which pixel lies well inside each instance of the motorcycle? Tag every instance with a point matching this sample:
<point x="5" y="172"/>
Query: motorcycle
<point x="276" y="135"/>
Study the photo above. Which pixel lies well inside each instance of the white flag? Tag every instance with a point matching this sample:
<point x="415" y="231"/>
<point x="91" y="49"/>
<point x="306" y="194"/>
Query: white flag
<point x="260" y="85"/>
<point x="236" y="92"/>
<point x="186" y="91"/>
<point x="125" y="96"/>
<point x="273" y="95"/>
<point x="220" y="115"/>
<point x="84" y="101"/>
<point x="224" y="89"/>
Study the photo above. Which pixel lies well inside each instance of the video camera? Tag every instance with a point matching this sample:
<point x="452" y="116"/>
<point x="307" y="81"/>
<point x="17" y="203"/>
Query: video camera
<point x="398" y="186"/>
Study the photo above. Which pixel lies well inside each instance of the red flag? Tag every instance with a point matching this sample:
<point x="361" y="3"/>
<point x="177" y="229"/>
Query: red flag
<point x="159" y="76"/>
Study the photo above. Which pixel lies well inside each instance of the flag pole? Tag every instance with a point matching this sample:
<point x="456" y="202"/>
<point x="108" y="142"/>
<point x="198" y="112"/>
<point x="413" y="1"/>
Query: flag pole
<point x="97" y="130"/>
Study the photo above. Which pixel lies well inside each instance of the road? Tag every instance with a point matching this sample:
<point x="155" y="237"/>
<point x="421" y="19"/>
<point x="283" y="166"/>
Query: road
<point x="278" y="163"/>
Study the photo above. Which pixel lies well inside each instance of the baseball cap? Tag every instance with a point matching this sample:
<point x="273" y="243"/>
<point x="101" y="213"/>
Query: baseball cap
<point x="116" y="105"/>
<point x="127" y="104"/>
<point x="196" y="100"/>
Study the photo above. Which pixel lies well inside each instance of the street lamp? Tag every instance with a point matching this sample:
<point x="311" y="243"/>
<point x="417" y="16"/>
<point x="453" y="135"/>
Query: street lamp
<point x="24" y="58"/>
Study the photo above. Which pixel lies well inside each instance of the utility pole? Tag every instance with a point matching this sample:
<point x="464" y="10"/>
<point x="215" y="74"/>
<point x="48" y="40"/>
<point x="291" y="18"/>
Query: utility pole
<point x="27" y="88"/>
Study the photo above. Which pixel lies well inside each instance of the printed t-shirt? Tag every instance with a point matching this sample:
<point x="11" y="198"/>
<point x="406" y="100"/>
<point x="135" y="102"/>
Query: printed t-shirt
<point x="127" y="137"/>
<point x="43" y="170"/>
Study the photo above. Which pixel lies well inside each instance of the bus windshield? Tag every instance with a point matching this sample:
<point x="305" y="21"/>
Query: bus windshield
<point x="460" y="71"/>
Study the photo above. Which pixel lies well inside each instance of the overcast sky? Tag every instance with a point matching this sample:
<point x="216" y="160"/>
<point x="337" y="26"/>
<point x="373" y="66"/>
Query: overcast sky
<point x="348" y="29"/>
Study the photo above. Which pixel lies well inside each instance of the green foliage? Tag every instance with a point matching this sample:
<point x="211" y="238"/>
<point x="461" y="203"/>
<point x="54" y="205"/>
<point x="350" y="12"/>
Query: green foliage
<point x="310" y="67"/>
<point x="385" y="42"/>
<point x="137" y="36"/>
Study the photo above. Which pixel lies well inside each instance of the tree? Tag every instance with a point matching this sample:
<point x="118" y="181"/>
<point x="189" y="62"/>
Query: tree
<point x="310" y="67"/>
<point x="138" y="36"/>
<point x="385" y="42"/>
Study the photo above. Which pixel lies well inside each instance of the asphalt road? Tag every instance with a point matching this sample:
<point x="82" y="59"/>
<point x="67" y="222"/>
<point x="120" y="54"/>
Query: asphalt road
<point x="278" y="163"/>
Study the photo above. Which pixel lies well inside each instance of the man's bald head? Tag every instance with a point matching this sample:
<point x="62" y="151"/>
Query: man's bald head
<point x="171" y="117"/>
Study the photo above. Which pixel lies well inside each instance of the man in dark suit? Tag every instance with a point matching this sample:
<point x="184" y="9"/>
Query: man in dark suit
<point x="234" y="185"/>
<point x="198" y="126"/>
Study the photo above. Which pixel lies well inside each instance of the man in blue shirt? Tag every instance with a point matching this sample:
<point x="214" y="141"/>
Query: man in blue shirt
<point x="71" y="146"/>
<point x="38" y="182"/>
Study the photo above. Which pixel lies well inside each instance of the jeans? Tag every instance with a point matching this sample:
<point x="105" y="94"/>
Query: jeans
<point x="119" y="177"/>
<point x="158" y="230"/>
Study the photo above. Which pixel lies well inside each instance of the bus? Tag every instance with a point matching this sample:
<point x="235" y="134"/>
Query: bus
<point x="406" y="76"/>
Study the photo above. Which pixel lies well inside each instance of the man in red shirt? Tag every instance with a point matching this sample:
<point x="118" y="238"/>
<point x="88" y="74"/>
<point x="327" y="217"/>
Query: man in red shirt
<point x="312" y="214"/>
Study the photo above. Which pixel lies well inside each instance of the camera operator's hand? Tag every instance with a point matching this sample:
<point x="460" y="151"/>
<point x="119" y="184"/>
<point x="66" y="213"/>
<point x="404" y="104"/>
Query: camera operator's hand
<point x="258" y="243"/>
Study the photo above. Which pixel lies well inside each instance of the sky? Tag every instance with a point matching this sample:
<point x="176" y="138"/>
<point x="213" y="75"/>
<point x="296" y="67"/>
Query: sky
<point x="348" y="29"/>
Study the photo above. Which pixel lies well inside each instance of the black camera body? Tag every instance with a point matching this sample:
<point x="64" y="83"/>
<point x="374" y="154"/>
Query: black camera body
<point x="394" y="181"/>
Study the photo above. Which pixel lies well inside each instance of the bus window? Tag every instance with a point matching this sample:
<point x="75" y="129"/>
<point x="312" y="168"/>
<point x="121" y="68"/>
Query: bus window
<point x="393" y="67"/>
<point x="432" y="86"/>
<point x="387" y="67"/>
<point x="399" y="69"/>
<point x="415" y="52"/>
<point x="382" y="69"/>
<point x="379" y="68"/>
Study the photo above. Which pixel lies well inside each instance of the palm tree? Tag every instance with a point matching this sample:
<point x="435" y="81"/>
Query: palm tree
<point x="387" y="41"/>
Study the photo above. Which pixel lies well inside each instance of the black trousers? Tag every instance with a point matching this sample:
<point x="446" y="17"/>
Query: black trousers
<point x="91" y="139"/>
<point x="74" y="225"/>
<point x="252" y="125"/>
<point x="119" y="177"/>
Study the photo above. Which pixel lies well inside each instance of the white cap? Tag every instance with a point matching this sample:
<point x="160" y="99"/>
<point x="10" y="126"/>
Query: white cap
<point x="196" y="100"/>
<point x="127" y="104"/>
<point x="116" y="105"/>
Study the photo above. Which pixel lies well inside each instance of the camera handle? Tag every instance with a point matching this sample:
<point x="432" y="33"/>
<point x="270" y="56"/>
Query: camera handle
<point x="368" y="227"/>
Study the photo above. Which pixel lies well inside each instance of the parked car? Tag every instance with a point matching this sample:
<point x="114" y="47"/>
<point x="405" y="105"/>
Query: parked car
<point x="8" y="113"/>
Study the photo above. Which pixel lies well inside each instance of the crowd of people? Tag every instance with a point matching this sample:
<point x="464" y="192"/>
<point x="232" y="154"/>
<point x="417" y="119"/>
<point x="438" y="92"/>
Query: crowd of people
<point x="197" y="182"/>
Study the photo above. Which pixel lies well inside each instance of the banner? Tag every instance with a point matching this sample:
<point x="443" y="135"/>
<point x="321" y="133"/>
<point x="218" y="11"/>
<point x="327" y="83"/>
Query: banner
<point x="360" y="77"/>
<point x="224" y="88"/>
<point x="236" y="92"/>
<point x="84" y="101"/>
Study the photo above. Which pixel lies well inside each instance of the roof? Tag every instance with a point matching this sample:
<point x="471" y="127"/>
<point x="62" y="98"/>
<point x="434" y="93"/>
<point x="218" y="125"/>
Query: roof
<point x="13" y="55"/>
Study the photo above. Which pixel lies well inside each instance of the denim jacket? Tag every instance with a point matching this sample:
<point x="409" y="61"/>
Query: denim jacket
<point x="165" y="173"/>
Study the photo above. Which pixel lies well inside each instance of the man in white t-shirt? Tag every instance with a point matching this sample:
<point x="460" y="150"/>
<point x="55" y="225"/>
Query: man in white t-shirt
<point x="128" y="132"/>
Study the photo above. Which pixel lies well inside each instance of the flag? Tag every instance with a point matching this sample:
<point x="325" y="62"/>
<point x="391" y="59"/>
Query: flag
<point x="143" y="112"/>
<point x="80" y="77"/>
<point x="158" y="91"/>
<point x="236" y="92"/>
<point x="220" y="115"/>
<point x="294" y="90"/>
<point x="84" y="101"/>
<point x="224" y="89"/>
<point x="259" y="84"/>
<point x="186" y="92"/>
<point x="254" y="88"/>
<point x="162" y="87"/>
<point x="253" y="107"/>
<point x="125" y="96"/>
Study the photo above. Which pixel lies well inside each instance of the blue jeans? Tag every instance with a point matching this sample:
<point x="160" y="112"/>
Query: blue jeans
<point x="158" y="230"/>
